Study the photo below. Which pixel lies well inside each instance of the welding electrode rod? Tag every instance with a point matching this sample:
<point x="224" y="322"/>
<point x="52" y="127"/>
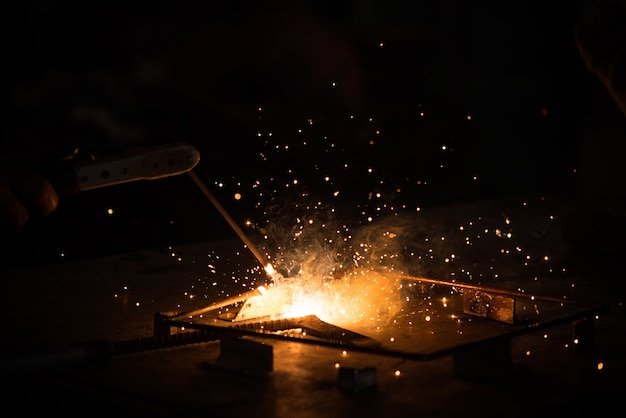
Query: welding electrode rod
<point x="219" y="305"/>
<point x="226" y="216"/>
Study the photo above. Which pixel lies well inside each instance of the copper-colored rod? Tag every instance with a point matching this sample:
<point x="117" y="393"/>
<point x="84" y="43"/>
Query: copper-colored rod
<point x="498" y="290"/>
<point x="246" y="241"/>
<point x="228" y="218"/>
<point x="217" y="305"/>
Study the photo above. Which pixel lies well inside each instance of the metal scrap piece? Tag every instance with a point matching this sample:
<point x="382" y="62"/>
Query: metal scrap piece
<point x="489" y="305"/>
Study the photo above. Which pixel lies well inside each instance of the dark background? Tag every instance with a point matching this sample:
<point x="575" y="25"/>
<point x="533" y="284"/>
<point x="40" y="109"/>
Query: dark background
<point x="165" y="72"/>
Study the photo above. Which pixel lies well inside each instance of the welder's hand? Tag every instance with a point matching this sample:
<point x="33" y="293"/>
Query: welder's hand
<point x="601" y="42"/>
<point x="23" y="192"/>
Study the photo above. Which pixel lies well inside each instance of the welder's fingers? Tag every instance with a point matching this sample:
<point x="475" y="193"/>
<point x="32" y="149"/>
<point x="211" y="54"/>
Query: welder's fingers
<point x="23" y="192"/>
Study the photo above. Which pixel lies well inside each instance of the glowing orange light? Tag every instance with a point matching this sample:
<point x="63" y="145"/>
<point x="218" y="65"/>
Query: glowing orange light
<point x="349" y="301"/>
<point x="269" y="269"/>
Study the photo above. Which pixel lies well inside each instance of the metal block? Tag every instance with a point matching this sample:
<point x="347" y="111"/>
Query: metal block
<point x="162" y="326"/>
<point x="489" y="305"/>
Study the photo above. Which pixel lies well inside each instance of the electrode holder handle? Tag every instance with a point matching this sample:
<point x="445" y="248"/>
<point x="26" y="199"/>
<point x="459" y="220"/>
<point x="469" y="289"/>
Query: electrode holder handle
<point x="80" y="173"/>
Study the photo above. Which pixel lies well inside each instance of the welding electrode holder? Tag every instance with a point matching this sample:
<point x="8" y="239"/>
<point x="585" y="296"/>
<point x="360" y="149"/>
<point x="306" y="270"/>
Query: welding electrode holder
<point x="87" y="170"/>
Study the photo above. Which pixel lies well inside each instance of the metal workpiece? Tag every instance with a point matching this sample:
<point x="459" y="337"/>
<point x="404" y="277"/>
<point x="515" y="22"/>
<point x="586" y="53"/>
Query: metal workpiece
<point x="492" y="316"/>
